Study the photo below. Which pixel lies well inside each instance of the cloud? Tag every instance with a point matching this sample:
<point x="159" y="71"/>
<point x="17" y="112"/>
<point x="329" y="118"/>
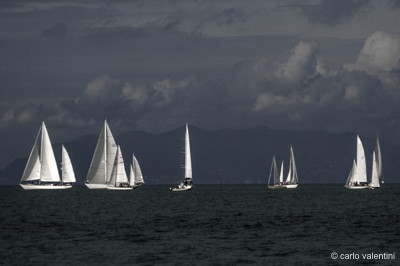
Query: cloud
<point x="381" y="52"/>
<point x="332" y="12"/>
<point x="57" y="30"/>
<point x="301" y="64"/>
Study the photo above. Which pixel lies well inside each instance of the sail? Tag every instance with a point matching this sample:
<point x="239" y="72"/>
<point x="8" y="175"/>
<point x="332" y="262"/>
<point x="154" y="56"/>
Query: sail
<point x="121" y="174"/>
<point x="103" y="158"/>
<point x="49" y="170"/>
<point x="188" y="160"/>
<point x="378" y="158"/>
<point x="68" y="175"/>
<point x="138" y="176"/>
<point x="374" y="176"/>
<point x="350" y="178"/>
<point x="32" y="168"/>
<point x="361" y="164"/>
<point x="289" y="175"/>
<point x="295" y="179"/>
<point x="111" y="148"/>
<point x="281" y="174"/>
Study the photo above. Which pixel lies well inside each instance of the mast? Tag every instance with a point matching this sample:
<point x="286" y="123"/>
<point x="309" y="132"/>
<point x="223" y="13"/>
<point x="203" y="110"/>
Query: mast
<point x="270" y="171"/>
<point x="105" y="151"/>
<point x="41" y="153"/>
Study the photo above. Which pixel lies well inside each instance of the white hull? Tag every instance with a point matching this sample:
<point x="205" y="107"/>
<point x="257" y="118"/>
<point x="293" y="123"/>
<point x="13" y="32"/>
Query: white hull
<point x="135" y="186"/>
<point x="119" y="188"/>
<point x="181" y="189"/>
<point x="291" y="186"/>
<point x="50" y="186"/>
<point x="96" y="186"/>
<point x="358" y="187"/>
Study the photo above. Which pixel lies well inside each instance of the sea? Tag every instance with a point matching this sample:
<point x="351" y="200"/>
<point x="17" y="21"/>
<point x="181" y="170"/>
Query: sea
<point x="209" y="225"/>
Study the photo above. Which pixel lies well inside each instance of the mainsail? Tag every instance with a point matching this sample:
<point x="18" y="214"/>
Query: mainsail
<point x="188" y="159"/>
<point x="103" y="159"/>
<point x="361" y="176"/>
<point x="68" y="175"/>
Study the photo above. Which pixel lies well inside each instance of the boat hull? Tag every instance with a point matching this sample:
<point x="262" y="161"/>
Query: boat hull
<point x="275" y="187"/>
<point x="291" y="186"/>
<point x="33" y="187"/>
<point x="119" y="188"/>
<point x="358" y="187"/>
<point x="181" y="189"/>
<point x="96" y="186"/>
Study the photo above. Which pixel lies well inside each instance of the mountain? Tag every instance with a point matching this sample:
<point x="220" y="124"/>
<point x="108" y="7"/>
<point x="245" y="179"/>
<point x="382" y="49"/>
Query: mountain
<point x="228" y="155"/>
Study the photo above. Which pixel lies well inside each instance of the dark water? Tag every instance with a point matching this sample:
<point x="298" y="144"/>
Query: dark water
<point x="210" y="225"/>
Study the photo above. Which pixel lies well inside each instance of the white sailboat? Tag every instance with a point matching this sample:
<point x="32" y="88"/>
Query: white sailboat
<point x="136" y="176"/>
<point x="41" y="169"/>
<point x="119" y="179"/>
<point x="186" y="183"/>
<point x="357" y="178"/>
<point x="67" y="171"/>
<point x="103" y="160"/>
<point x="292" y="180"/>
<point x="277" y="177"/>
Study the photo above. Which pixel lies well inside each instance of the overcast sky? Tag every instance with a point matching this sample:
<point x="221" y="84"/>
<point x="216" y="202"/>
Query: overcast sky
<point x="154" y="65"/>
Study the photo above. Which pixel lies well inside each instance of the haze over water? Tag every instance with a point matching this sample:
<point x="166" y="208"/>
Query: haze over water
<point x="212" y="224"/>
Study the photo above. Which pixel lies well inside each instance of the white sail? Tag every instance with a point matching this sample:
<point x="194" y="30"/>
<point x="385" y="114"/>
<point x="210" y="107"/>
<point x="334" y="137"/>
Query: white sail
<point x="188" y="159"/>
<point x="281" y="174"/>
<point x="352" y="174"/>
<point x="361" y="176"/>
<point x="32" y="168"/>
<point x="138" y="176"/>
<point x="378" y="158"/>
<point x="374" y="175"/>
<point x="294" y="179"/>
<point x="274" y="173"/>
<point x="49" y="170"/>
<point x="103" y="159"/>
<point x="118" y="174"/>
<point x="68" y="175"/>
<point x="289" y="176"/>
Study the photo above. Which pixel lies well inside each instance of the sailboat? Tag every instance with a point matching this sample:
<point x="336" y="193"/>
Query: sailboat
<point x="277" y="177"/>
<point x="119" y="179"/>
<point x="292" y="180"/>
<point x="186" y="183"/>
<point x="103" y="160"/>
<point x="136" y="176"/>
<point x="41" y="169"/>
<point x="67" y="171"/>
<point x="357" y="178"/>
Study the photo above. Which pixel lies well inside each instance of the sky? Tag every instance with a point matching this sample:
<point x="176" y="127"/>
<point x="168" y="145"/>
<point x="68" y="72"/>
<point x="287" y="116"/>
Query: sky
<point x="154" y="65"/>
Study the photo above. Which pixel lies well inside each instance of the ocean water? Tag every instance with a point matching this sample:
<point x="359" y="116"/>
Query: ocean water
<point x="210" y="225"/>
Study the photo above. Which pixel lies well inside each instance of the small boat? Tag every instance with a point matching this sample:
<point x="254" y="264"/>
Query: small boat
<point x="292" y="180"/>
<point x="41" y="170"/>
<point x="186" y="183"/>
<point x="101" y="167"/>
<point x="119" y="179"/>
<point x="277" y="177"/>
<point x="357" y="178"/>
<point x="136" y="176"/>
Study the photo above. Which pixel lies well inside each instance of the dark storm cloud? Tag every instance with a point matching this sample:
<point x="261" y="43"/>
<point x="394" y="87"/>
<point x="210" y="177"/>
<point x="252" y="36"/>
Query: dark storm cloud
<point x="331" y="12"/>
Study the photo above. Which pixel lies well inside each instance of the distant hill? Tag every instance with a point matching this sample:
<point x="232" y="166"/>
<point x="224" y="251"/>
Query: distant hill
<point x="229" y="155"/>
